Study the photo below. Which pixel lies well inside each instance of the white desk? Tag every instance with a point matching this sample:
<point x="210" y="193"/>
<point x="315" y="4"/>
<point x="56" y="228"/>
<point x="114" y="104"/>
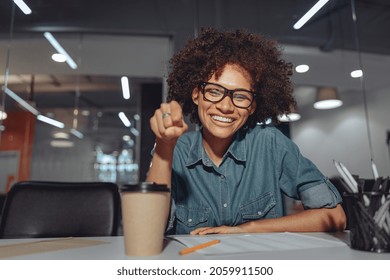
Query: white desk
<point x="112" y="248"/>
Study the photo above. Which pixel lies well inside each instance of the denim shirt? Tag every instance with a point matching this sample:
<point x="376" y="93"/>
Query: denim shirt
<point x="260" y="165"/>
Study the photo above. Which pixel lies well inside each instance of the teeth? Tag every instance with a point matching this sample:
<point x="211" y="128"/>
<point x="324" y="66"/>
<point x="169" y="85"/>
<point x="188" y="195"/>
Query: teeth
<point x="222" y="119"/>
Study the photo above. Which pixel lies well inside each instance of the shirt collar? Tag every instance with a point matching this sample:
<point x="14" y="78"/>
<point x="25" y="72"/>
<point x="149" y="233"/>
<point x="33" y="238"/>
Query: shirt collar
<point x="197" y="153"/>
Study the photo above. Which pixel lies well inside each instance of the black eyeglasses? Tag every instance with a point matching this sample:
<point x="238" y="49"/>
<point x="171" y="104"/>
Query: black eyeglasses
<point x="214" y="93"/>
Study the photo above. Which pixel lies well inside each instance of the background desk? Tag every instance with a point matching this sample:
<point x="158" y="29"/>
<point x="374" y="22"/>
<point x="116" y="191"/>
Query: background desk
<point x="112" y="248"/>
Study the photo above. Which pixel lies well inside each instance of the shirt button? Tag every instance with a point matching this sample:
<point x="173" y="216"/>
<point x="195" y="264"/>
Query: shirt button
<point x="222" y="177"/>
<point x="225" y="205"/>
<point x="259" y="213"/>
<point x="190" y="220"/>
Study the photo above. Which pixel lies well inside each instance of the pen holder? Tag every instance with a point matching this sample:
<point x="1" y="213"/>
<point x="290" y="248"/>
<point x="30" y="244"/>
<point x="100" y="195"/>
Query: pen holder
<point x="368" y="215"/>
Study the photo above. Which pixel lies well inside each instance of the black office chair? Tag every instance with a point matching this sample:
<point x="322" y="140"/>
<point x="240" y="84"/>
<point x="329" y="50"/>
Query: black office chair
<point x="2" y="199"/>
<point x="60" y="209"/>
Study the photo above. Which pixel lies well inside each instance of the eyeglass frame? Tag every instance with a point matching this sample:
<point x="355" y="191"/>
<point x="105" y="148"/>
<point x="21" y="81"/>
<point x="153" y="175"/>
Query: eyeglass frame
<point x="229" y="92"/>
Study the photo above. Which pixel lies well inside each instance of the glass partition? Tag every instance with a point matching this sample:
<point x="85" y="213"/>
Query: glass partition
<point x="89" y="140"/>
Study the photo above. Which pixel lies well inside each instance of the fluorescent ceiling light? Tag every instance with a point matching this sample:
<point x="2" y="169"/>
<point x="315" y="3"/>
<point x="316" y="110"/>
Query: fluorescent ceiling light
<point x="61" y="135"/>
<point x="134" y="131"/>
<point x="58" y="57"/>
<point x="310" y="13"/>
<point x="53" y="122"/>
<point x="60" y="49"/>
<point x="76" y="133"/>
<point x="357" y="74"/>
<point x="124" y="119"/>
<point x="302" y="68"/>
<point x="85" y="113"/>
<point x="20" y="100"/>
<point x="3" y="115"/>
<point x="23" y="6"/>
<point x="125" y="87"/>
<point x="61" y="143"/>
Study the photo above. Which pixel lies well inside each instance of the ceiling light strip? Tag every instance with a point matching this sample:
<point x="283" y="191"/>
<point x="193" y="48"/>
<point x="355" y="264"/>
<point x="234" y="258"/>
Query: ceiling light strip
<point x="125" y="87"/>
<point x="310" y="13"/>
<point x="60" y="49"/>
<point x="77" y="133"/>
<point x="53" y="122"/>
<point x="134" y="131"/>
<point x="20" y="100"/>
<point x="124" y="119"/>
<point x="23" y="6"/>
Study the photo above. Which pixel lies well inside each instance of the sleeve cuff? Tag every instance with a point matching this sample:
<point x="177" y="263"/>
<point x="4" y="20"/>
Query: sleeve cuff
<point x="324" y="195"/>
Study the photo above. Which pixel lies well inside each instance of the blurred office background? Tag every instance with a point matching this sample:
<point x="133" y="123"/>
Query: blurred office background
<point x="131" y="41"/>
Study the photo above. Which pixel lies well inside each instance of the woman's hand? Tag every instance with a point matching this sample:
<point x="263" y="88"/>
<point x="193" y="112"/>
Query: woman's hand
<point x="168" y="122"/>
<point x="217" y="230"/>
<point x="168" y="125"/>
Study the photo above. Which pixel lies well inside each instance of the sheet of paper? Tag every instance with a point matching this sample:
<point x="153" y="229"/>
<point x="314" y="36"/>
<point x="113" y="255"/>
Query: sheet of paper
<point x="247" y="243"/>
<point x="46" y="245"/>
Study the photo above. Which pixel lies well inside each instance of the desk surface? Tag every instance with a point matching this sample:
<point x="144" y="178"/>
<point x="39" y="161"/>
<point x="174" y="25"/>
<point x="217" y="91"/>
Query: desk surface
<point x="112" y="248"/>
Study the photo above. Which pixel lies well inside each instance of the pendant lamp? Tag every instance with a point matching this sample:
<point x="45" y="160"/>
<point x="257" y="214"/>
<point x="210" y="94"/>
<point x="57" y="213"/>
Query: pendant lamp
<point x="290" y="117"/>
<point x="327" y="98"/>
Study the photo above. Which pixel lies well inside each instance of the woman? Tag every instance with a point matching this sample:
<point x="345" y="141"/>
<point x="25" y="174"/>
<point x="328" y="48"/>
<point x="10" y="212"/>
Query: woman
<point x="230" y="176"/>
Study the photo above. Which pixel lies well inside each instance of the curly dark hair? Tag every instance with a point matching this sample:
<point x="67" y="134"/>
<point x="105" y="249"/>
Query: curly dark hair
<point x="207" y="55"/>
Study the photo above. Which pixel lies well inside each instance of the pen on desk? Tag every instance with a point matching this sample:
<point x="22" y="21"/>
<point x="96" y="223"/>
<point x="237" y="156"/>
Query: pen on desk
<point x="199" y="246"/>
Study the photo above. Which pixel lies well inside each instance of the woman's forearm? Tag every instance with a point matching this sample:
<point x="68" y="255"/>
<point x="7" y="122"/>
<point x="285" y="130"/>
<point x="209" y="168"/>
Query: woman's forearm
<point x="161" y="166"/>
<point x="324" y="219"/>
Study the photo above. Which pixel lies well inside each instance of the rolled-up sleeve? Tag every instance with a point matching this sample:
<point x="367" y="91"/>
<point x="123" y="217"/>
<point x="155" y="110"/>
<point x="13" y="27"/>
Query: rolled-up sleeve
<point x="323" y="195"/>
<point x="301" y="179"/>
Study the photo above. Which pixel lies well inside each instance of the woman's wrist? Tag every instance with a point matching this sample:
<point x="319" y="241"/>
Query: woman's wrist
<point x="164" y="149"/>
<point x="245" y="227"/>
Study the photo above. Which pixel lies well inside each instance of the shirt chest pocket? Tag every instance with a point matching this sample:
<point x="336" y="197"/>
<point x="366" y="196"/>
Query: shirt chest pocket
<point x="189" y="219"/>
<point x="260" y="208"/>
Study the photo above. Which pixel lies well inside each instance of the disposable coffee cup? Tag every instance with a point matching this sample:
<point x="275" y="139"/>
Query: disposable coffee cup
<point x="145" y="209"/>
<point x="368" y="216"/>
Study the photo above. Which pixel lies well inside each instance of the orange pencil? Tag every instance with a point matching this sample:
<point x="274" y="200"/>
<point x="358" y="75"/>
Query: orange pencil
<point x="199" y="246"/>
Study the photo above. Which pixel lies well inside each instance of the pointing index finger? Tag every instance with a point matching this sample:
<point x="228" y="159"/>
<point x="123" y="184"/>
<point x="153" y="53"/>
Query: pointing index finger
<point x="176" y="113"/>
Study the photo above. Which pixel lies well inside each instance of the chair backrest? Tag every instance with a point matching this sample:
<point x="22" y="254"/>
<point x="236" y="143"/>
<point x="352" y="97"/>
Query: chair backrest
<point x="2" y="199"/>
<point x="60" y="209"/>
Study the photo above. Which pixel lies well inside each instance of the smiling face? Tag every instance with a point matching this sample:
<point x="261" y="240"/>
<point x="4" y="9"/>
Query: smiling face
<point x="222" y="120"/>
